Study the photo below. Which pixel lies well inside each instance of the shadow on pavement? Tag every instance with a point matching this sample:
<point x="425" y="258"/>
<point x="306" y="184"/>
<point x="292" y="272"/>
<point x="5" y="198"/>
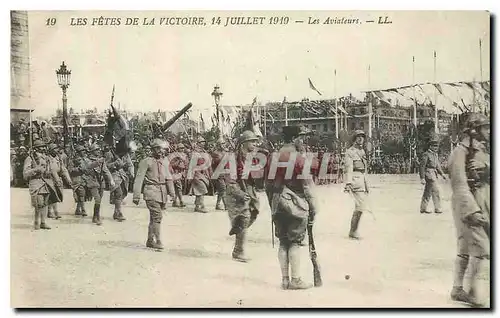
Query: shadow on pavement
<point x="124" y="244"/>
<point x="21" y="226"/>
<point x="193" y="253"/>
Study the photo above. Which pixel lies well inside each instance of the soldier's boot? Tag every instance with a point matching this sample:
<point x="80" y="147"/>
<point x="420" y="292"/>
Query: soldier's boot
<point x="96" y="218"/>
<point x="181" y="202"/>
<point x="353" y="233"/>
<point x="475" y="269"/>
<point x="284" y="265"/>
<point x="84" y="213"/>
<point x="176" y="204"/>
<point x="36" y="223"/>
<point x="458" y="293"/>
<point x="118" y="209"/>
<point x="56" y="212"/>
<point x="49" y="211"/>
<point x="157" y="233"/>
<point x="201" y="205"/>
<point x="218" y="204"/>
<point x="78" y="210"/>
<point x="239" y="248"/>
<point x="294" y="258"/>
<point x="151" y="238"/>
<point x="43" y="213"/>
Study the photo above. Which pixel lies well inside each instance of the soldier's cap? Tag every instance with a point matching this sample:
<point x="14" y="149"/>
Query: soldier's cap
<point x="38" y="143"/>
<point x="359" y="132"/>
<point x="247" y="135"/>
<point x="180" y="146"/>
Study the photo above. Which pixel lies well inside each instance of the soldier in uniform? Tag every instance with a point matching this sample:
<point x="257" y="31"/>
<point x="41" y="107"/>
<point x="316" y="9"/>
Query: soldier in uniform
<point x="241" y="198"/>
<point x="76" y="171"/>
<point x="220" y="182"/>
<point x="430" y="167"/>
<point x="60" y="169"/>
<point x="121" y="167"/>
<point x="151" y="174"/>
<point x="200" y="183"/>
<point x="95" y="174"/>
<point x="470" y="174"/>
<point x="292" y="207"/>
<point x="356" y="168"/>
<point x="41" y="175"/>
<point x="179" y="167"/>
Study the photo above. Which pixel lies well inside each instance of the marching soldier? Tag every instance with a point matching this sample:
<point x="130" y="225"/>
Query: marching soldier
<point x="121" y="168"/>
<point x="95" y="174"/>
<point x="220" y="183"/>
<point x="151" y="174"/>
<point x="430" y="167"/>
<point x="356" y="168"/>
<point x="76" y="171"/>
<point x="200" y="184"/>
<point x="179" y="167"/>
<point x="41" y="175"/>
<point x="241" y="198"/>
<point x="60" y="169"/>
<point x="292" y="207"/>
<point x="470" y="174"/>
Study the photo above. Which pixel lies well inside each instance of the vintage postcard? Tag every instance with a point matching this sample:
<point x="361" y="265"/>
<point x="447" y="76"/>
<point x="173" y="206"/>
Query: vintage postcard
<point x="250" y="159"/>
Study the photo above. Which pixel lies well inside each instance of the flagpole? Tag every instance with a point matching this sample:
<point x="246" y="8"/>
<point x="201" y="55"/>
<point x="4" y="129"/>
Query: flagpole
<point x="436" y="128"/>
<point x="414" y="98"/>
<point x="369" y="107"/>
<point x="336" y="107"/>
<point x="480" y="61"/>
<point x="286" y="112"/>
<point x="265" y="120"/>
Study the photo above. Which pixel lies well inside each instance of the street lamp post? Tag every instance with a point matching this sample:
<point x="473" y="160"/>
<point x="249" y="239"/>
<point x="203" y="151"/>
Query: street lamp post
<point x="217" y="95"/>
<point x="63" y="79"/>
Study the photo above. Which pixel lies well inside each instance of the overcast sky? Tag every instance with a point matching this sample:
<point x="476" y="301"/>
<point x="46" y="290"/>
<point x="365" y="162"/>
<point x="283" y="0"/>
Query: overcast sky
<point x="165" y="67"/>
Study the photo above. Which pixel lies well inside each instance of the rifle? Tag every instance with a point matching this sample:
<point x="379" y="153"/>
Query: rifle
<point x="318" y="282"/>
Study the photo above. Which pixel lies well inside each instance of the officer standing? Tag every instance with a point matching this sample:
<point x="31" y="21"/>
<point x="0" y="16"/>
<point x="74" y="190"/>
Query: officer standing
<point x="40" y="175"/>
<point x="179" y="166"/>
<point x="151" y="174"/>
<point x="470" y="174"/>
<point x="60" y="169"/>
<point x="356" y="168"/>
<point x="292" y="207"/>
<point x="240" y="197"/>
<point x="430" y="167"/>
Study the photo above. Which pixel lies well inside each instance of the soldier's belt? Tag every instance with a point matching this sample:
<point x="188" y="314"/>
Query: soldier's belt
<point x="155" y="183"/>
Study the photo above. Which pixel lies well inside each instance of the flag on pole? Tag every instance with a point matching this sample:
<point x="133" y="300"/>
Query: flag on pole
<point x="311" y="85"/>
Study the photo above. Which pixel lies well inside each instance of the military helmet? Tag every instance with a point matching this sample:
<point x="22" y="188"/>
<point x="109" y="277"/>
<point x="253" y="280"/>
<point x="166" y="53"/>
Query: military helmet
<point x="359" y="132"/>
<point x="158" y="143"/>
<point x="247" y="135"/>
<point x="79" y="148"/>
<point x="94" y="147"/>
<point x="434" y="140"/>
<point x="476" y="120"/>
<point x="38" y="143"/>
<point x="52" y="147"/>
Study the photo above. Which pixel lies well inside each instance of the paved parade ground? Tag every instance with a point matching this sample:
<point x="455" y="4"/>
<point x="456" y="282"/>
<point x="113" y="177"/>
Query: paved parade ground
<point x="405" y="259"/>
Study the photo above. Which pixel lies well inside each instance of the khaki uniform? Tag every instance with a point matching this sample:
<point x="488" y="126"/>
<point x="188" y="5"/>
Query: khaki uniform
<point x="471" y="194"/>
<point x="429" y="170"/>
<point x="121" y="168"/>
<point x="356" y="168"/>
<point x="41" y="175"/>
<point x="151" y="174"/>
